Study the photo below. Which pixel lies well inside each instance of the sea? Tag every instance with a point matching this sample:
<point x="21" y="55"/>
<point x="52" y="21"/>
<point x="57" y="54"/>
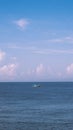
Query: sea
<point x="25" y="107"/>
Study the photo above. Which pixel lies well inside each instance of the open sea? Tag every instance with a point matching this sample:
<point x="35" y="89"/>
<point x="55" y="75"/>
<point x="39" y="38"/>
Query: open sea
<point x="48" y="107"/>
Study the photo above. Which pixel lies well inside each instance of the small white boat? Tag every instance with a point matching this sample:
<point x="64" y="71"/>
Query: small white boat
<point x="36" y="85"/>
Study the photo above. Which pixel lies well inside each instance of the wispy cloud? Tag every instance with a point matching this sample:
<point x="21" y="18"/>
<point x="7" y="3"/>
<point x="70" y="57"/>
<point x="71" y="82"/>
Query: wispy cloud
<point x="41" y="51"/>
<point x="2" y="55"/>
<point x="53" y="51"/>
<point x="21" y="23"/>
<point x="57" y="40"/>
<point x="22" y="47"/>
<point x="67" y="39"/>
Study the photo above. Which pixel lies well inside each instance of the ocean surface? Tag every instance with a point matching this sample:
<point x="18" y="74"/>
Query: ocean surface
<point x="48" y="107"/>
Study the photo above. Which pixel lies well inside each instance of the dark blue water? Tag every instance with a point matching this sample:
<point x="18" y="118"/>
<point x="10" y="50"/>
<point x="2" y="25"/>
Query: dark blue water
<point x="49" y="107"/>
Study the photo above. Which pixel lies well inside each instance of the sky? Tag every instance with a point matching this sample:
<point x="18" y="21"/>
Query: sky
<point x="36" y="40"/>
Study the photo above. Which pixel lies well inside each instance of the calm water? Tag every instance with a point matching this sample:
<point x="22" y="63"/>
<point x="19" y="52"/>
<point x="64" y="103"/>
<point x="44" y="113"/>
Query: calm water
<point x="49" y="107"/>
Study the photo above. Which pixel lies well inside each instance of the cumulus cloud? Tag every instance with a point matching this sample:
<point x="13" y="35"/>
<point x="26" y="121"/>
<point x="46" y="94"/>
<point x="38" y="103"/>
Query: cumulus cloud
<point x="2" y="54"/>
<point x="21" y="23"/>
<point x="43" y="72"/>
<point x="8" y="70"/>
<point x="39" y="69"/>
<point x="70" y="69"/>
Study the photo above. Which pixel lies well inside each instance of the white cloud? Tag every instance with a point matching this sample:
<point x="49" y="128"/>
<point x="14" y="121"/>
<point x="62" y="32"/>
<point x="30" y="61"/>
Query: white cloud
<point x="26" y="48"/>
<point x="42" y="51"/>
<point x="8" y="70"/>
<point x="55" y="40"/>
<point x="67" y="39"/>
<point x="2" y="54"/>
<point x="21" y="23"/>
<point x="43" y="72"/>
<point x="39" y="69"/>
<point x="52" y="51"/>
<point x="36" y="50"/>
<point x="70" y="69"/>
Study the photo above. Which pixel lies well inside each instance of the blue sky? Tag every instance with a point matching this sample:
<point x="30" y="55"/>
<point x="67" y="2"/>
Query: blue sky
<point x="36" y="40"/>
